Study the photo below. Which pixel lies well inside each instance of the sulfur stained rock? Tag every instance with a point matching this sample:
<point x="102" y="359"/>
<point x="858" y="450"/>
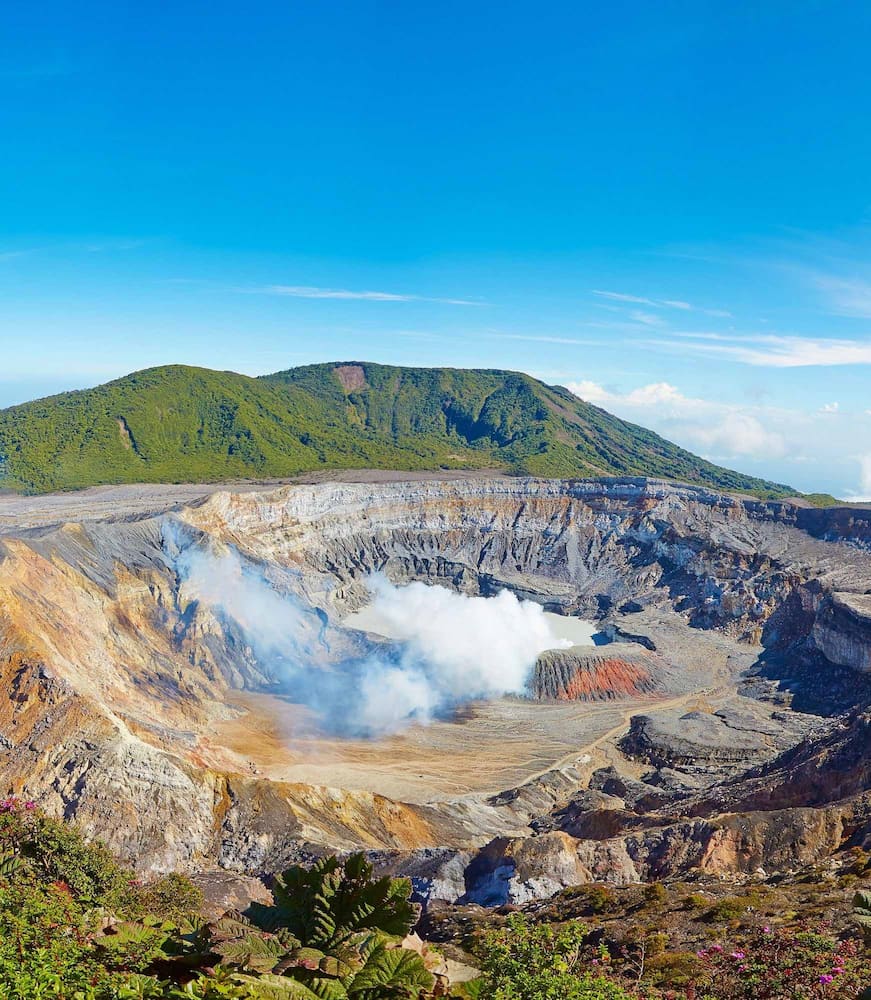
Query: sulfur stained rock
<point x="605" y="673"/>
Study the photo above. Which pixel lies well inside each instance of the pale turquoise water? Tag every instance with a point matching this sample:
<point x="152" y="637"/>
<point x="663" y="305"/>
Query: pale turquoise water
<point x="575" y="630"/>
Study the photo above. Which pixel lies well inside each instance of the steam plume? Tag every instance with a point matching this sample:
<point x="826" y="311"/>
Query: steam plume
<point x="449" y="648"/>
<point x="453" y="649"/>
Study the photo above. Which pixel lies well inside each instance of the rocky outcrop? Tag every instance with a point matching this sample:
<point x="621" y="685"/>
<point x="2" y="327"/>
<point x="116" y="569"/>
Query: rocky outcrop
<point x="517" y="871"/>
<point x="842" y="630"/>
<point x="733" y="738"/>
<point x="614" y="671"/>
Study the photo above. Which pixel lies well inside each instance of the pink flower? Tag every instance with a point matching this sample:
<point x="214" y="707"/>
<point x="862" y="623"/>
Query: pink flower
<point x="838" y="970"/>
<point x="716" y="947"/>
<point x="738" y="955"/>
<point x="825" y="979"/>
<point x="766" y="929"/>
<point x="30" y="805"/>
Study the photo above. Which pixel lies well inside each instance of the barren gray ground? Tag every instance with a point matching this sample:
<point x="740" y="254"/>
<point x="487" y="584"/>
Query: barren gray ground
<point x="101" y="503"/>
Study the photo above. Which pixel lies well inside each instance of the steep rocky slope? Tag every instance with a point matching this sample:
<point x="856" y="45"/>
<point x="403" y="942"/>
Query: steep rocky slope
<point x="742" y="626"/>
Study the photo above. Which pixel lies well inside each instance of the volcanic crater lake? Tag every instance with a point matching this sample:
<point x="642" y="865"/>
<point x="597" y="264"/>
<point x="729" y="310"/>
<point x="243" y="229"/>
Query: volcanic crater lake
<point x="563" y="627"/>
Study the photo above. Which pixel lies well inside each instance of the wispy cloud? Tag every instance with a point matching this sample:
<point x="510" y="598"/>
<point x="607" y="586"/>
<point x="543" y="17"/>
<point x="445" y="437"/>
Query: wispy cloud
<point x="546" y="339"/>
<point x="642" y="300"/>
<point x="773" y="351"/>
<point x="847" y="296"/>
<point x="623" y="297"/>
<point x="108" y="246"/>
<point x="646" y="318"/>
<point x="314" y="292"/>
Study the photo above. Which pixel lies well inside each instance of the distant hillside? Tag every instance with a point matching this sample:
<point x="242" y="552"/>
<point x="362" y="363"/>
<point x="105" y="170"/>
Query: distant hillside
<point x="176" y="423"/>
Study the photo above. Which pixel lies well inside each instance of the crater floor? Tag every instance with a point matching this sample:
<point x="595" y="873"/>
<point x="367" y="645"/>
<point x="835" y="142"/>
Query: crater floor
<point x="486" y="746"/>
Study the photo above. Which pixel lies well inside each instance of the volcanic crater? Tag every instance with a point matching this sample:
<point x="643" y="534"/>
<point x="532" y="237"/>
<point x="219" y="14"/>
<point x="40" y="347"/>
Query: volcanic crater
<point x="722" y="726"/>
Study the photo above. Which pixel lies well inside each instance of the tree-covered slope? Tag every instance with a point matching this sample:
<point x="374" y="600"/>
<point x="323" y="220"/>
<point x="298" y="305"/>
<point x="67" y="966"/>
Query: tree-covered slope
<point x="177" y="423"/>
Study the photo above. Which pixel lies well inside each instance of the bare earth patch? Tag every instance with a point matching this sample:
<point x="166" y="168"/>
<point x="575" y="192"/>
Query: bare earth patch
<point x="352" y="377"/>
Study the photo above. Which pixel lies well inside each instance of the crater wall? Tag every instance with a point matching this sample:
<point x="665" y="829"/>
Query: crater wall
<point x="115" y="683"/>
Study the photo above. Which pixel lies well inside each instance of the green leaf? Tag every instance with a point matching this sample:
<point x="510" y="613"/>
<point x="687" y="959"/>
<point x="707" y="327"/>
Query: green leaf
<point x="398" y="969"/>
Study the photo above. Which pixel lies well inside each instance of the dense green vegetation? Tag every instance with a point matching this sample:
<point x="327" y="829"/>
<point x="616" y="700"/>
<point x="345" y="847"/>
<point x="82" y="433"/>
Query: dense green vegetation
<point x="525" y="961"/>
<point x="75" y="925"/>
<point x="820" y="499"/>
<point x="176" y="424"/>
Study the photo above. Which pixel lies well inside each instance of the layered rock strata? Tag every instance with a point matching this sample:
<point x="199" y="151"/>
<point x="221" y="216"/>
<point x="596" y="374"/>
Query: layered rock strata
<point x="613" y="671"/>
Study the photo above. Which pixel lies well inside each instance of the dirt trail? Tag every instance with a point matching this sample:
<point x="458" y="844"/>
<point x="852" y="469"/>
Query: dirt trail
<point x="597" y="754"/>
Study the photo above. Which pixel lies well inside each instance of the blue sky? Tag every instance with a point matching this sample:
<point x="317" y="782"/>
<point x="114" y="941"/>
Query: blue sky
<point x="664" y="206"/>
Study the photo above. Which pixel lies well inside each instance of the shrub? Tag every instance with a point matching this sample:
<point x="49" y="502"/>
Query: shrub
<point x="862" y="913"/>
<point x="171" y="896"/>
<point x="334" y="931"/>
<point x="675" y="968"/>
<point x="524" y="961"/>
<point x="695" y="901"/>
<point x="56" y="852"/>
<point x="730" y="908"/>
<point x="44" y="946"/>
<point x="770" y="965"/>
<point x="655" y="893"/>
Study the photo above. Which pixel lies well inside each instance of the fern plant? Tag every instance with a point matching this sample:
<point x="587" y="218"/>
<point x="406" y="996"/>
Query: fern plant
<point x="10" y="865"/>
<point x="327" y="904"/>
<point x="862" y="912"/>
<point x="334" y="932"/>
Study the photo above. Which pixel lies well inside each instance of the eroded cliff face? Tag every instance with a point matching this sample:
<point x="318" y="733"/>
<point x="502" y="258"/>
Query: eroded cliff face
<point x="118" y="685"/>
<point x="841" y="628"/>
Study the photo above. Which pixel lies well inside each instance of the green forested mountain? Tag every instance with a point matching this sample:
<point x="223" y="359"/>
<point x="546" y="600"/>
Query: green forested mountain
<point x="176" y="423"/>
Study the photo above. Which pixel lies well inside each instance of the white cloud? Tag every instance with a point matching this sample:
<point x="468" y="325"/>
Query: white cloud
<point x="737" y="433"/>
<point x="313" y="292"/>
<point x="848" y="297"/>
<point x="655" y="394"/>
<point x="816" y="449"/>
<point x="646" y="318"/>
<point x="641" y="300"/>
<point x="863" y="494"/>
<point x="590" y="392"/>
<point x="774" y="351"/>
<point x="713" y="428"/>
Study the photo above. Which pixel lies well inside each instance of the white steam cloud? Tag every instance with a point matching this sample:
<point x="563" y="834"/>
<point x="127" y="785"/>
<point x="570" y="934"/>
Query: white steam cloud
<point x="455" y="649"/>
<point x="449" y="648"/>
<point x="266" y="617"/>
